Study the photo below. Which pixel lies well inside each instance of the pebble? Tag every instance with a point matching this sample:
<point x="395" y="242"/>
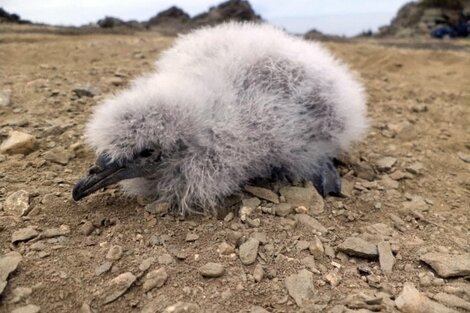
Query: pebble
<point x="415" y="168"/>
<point x="251" y="202"/>
<point x="57" y="155"/>
<point x="386" y="164"/>
<point x="182" y="307"/>
<point x="452" y="300"/>
<point x="309" y="262"/>
<point x="87" y="228"/>
<point x="155" y="279"/>
<point x="18" y="143"/>
<point x="30" y="308"/>
<point x="283" y="209"/>
<point x="300" y="286"/>
<point x="84" y="92"/>
<point x="304" y="196"/>
<point x="248" y="251"/>
<point x="24" y="234"/>
<point x="464" y="157"/>
<point x="311" y="223"/>
<point x="145" y="265"/>
<point x="225" y="249"/>
<point x="355" y="246"/>
<point x="410" y="300"/>
<point x="212" y="270"/>
<point x="103" y="268"/>
<point x="386" y="258"/>
<point x="114" y="253"/>
<point x="316" y="248"/>
<point x="448" y="265"/>
<point x="258" y="309"/>
<point x="18" y="203"/>
<point x="165" y="259"/>
<point x="20" y="293"/>
<point x="8" y="264"/>
<point x="63" y="230"/>
<point x="263" y="193"/>
<point x="116" y="81"/>
<point x="333" y="279"/>
<point x="117" y="287"/>
<point x="258" y="273"/>
<point x="5" y="98"/>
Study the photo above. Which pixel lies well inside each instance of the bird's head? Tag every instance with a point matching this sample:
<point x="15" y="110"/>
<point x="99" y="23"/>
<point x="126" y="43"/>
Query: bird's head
<point x="133" y="138"/>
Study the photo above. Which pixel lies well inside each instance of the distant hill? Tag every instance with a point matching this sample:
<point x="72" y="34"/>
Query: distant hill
<point x="6" y="17"/>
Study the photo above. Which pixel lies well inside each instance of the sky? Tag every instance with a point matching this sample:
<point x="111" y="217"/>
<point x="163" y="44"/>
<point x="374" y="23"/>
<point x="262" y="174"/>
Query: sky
<point x="339" y="17"/>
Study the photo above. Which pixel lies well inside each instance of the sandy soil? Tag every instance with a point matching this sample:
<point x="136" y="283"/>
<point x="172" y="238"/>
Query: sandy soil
<point x="419" y="103"/>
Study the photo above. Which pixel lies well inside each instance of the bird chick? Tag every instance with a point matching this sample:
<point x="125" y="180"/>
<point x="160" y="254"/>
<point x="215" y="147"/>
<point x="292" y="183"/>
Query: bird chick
<point x="226" y="105"/>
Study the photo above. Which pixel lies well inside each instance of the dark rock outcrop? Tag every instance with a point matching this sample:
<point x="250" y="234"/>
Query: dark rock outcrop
<point x="171" y="16"/>
<point x="232" y="10"/>
<point x="6" y="17"/>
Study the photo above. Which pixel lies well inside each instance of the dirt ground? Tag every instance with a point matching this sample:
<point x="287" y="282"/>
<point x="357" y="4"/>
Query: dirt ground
<point x="419" y="105"/>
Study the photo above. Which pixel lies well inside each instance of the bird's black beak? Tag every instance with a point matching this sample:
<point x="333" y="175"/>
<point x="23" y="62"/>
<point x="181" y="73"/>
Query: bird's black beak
<point x="103" y="173"/>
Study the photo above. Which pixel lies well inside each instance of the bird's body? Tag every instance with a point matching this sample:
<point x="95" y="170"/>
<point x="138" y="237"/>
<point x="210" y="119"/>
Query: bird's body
<point x="226" y="105"/>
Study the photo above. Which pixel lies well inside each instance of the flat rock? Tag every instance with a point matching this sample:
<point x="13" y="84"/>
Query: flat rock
<point x="57" y="155"/>
<point x="183" y="307"/>
<point x="20" y="293"/>
<point x="8" y="264"/>
<point x="386" y="258"/>
<point x="155" y="279"/>
<point x="251" y="202"/>
<point x="103" y="268"/>
<point x="452" y="300"/>
<point x="283" y="209"/>
<point x="190" y="237"/>
<point x="310" y="223"/>
<point x="410" y="300"/>
<point x="5" y="98"/>
<point x="386" y="164"/>
<point x="448" y="265"/>
<point x="248" y="251"/>
<point x="316" y="248"/>
<point x="354" y="246"/>
<point x="63" y="230"/>
<point x="30" y="308"/>
<point x="24" y="234"/>
<point x="304" y="196"/>
<point x="117" y="287"/>
<point x="17" y="203"/>
<point x="114" y="253"/>
<point x="263" y="193"/>
<point x="212" y="270"/>
<point x="300" y="286"/>
<point x="18" y="143"/>
<point x="165" y="259"/>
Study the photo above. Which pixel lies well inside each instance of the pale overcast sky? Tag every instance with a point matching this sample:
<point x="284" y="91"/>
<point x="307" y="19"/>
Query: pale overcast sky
<point x="342" y="17"/>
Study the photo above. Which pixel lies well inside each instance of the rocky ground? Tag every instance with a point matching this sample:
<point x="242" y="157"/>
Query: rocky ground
<point x="399" y="241"/>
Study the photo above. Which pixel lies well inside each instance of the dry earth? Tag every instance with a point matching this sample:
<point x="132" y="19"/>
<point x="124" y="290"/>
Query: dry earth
<point x="408" y="187"/>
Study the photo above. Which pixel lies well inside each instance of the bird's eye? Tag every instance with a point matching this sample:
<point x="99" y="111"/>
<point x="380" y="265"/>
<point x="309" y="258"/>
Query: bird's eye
<point x="146" y="153"/>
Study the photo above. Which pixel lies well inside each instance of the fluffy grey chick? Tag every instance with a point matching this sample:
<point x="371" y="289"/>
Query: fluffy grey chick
<point x="226" y="105"/>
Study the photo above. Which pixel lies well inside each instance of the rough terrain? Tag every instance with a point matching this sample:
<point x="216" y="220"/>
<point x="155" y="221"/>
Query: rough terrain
<point x="404" y="225"/>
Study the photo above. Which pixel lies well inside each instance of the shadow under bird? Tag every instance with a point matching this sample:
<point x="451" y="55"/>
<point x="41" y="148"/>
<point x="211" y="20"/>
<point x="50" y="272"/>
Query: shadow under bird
<point x="224" y="106"/>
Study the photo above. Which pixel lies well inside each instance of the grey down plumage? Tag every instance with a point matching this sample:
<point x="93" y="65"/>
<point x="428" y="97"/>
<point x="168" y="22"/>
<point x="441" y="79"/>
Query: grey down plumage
<point x="225" y="105"/>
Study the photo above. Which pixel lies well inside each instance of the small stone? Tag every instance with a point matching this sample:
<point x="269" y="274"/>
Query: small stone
<point x="158" y="208"/>
<point x="248" y="251"/>
<point x="283" y="209"/>
<point x="309" y="262"/>
<point x="145" y="265"/>
<point x="24" y="234"/>
<point x="464" y="157"/>
<point x="448" y="265"/>
<point x="191" y="237"/>
<point x="20" y="293"/>
<point x="57" y="155"/>
<point x="415" y="168"/>
<point x="258" y="309"/>
<point x="87" y="228"/>
<point x="307" y="197"/>
<point x="263" y="193"/>
<point x="18" y="203"/>
<point x="155" y="279"/>
<point x="386" y="164"/>
<point x="453" y="301"/>
<point x="183" y="307"/>
<point x="300" y="286"/>
<point x="116" y="81"/>
<point x="103" y="268"/>
<point x="251" y="202"/>
<point x="258" y="273"/>
<point x="333" y="279"/>
<point x="8" y="264"/>
<point x="245" y="212"/>
<point x="30" y="308"/>
<point x="386" y="258"/>
<point x="165" y="259"/>
<point x="301" y="210"/>
<point x="263" y="239"/>
<point x="302" y="245"/>
<point x="117" y="287"/>
<point x="316" y="248"/>
<point x="84" y="92"/>
<point x="425" y="279"/>
<point x="311" y="223"/>
<point x="228" y="217"/>
<point x="114" y="253"/>
<point x="410" y="300"/>
<point x="419" y="108"/>
<point x="354" y="246"/>
<point x="18" y="143"/>
<point x="5" y="98"/>
<point x="212" y="270"/>
<point x="85" y="308"/>
<point x="225" y="249"/>
<point x="63" y="230"/>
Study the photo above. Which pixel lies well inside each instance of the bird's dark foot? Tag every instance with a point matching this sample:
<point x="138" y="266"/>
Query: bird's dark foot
<point x="327" y="180"/>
